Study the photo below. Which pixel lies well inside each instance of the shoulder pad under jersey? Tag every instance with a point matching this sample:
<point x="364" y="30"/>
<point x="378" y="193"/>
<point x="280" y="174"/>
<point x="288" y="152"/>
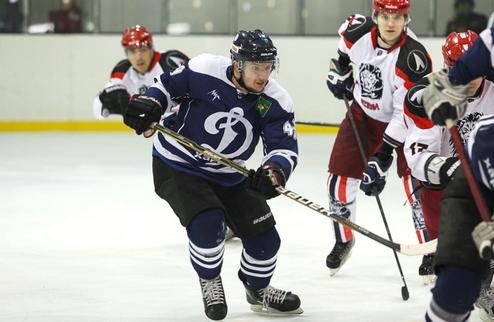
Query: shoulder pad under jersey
<point x="414" y="106"/>
<point x="120" y="69"/>
<point x="413" y="61"/>
<point x="172" y="59"/>
<point x="356" y="27"/>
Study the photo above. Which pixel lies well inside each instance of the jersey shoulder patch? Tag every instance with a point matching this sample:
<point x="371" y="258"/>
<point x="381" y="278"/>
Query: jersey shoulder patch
<point x="172" y="59"/>
<point x="413" y="61"/>
<point x="355" y="27"/>
<point x="414" y="106"/>
<point x="121" y="68"/>
<point x="413" y="98"/>
<point x="275" y="90"/>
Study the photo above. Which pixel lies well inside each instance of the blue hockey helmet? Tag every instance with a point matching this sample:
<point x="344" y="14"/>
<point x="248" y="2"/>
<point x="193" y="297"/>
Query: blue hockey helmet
<point x="253" y="45"/>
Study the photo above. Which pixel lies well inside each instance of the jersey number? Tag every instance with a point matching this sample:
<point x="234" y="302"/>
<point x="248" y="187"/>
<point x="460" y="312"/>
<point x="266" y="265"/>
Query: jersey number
<point x="289" y="130"/>
<point x="418" y="147"/>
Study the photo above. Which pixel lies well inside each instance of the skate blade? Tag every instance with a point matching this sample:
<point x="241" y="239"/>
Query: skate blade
<point x="429" y="279"/>
<point x="485" y="317"/>
<point x="270" y="311"/>
<point x="333" y="271"/>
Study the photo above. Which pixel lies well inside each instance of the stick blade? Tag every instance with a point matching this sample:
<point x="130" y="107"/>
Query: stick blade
<point x="419" y="249"/>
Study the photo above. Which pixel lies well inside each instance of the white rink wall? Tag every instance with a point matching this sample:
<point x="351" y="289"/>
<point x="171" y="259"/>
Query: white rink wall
<point x="55" y="77"/>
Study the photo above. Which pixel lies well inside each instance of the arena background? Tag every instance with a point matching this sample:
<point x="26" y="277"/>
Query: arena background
<point x="49" y="80"/>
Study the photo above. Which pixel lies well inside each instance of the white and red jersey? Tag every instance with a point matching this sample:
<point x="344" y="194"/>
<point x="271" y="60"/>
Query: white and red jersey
<point x="382" y="76"/>
<point x="425" y="140"/>
<point x="137" y="83"/>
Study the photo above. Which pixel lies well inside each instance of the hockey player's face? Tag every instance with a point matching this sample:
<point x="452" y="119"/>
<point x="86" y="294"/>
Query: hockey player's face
<point x="390" y="26"/>
<point x="474" y="85"/>
<point x="140" y="58"/>
<point x="256" y="75"/>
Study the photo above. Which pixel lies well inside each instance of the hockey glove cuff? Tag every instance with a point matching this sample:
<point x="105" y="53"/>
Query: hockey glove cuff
<point x="439" y="170"/>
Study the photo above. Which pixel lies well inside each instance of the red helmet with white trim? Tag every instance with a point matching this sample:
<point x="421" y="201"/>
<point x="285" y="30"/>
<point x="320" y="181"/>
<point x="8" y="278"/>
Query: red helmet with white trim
<point x="456" y="44"/>
<point x="392" y="6"/>
<point x="137" y="37"/>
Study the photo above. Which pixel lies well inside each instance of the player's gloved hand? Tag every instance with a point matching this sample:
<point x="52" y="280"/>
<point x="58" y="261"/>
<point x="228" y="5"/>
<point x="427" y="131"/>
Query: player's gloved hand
<point x="142" y="112"/>
<point x="114" y="99"/>
<point x="265" y="180"/>
<point x="483" y="236"/>
<point x="444" y="100"/>
<point x="375" y="173"/>
<point x="439" y="170"/>
<point x="340" y="80"/>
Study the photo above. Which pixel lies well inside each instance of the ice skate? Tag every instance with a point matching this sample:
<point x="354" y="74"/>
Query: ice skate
<point x="485" y="304"/>
<point x="339" y="255"/>
<point x="426" y="271"/>
<point x="213" y="297"/>
<point x="271" y="300"/>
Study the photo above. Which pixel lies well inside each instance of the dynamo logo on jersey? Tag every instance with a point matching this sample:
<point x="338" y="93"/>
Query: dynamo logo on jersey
<point x="225" y="122"/>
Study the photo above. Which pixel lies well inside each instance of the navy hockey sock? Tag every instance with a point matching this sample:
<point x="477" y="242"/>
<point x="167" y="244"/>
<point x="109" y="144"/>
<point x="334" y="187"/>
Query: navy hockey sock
<point x="259" y="258"/>
<point x="453" y="295"/>
<point x="207" y="242"/>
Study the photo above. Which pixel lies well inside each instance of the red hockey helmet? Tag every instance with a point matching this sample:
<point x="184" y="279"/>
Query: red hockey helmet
<point x="137" y="37"/>
<point x="456" y="44"/>
<point x="391" y="6"/>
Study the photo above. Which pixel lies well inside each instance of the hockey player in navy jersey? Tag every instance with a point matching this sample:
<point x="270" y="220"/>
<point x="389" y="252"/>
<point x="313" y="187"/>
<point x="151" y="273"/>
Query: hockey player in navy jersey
<point x="227" y="105"/>
<point x="387" y="60"/>
<point x="461" y="261"/>
<point x="136" y="73"/>
<point x="465" y="243"/>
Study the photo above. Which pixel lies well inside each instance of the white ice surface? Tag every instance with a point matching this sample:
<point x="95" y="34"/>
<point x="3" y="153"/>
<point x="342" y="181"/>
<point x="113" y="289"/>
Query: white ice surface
<point x="83" y="238"/>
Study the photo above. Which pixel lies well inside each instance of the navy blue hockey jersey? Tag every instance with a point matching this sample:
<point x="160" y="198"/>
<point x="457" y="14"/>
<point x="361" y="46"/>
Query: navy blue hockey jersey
<point x="477" y="61"/>
<point x="214" y="114"/>
<point x="480" y="147"/>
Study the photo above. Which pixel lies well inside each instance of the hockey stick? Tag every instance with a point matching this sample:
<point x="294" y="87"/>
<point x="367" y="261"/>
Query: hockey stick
<point x="317" y="124"/>
<point x="405" y="295"/>
<point x="472" y="183"/>
<point x="409" y="250"/>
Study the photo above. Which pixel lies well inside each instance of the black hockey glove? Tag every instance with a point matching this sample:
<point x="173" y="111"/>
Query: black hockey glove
<point x="446" y="111"/>
<point x="375" y="173"/>
<point x="483" y="236"/>
<point x="115" y="100"/>
<point x="340" y="80"/>
<point x="142" y="112"/>
<point x="265" y="180"/>
<point x="439" y="170"/>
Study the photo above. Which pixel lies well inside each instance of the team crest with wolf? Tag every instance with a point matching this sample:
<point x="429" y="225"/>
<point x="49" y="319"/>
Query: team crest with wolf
<point x="371" y="81"/>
